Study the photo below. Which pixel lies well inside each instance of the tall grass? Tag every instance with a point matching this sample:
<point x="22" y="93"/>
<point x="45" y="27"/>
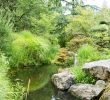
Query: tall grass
<point x="87" y="53"/>
<point x="81" y="76"/>
<point x="29" y="50"/>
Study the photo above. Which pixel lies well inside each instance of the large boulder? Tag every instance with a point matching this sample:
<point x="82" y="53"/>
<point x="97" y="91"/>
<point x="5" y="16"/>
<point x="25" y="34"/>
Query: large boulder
<point x="106" y="93"/>
<point x="63" y="80"/>
<point x="87" y="91"/>
<point x="100" y="69"/>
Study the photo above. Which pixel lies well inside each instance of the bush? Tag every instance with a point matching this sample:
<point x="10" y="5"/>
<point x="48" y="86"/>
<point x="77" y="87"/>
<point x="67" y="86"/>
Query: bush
<point x="61" y="57"/>
<point x="100" y="28"/>
<point x="77" y="41"/>
<point x="81" y="76"/>
<point x="87" y="53"/>
<point x="101" y="39"/>
<point x="105" y="53"/>
<point x="31" y="50"/>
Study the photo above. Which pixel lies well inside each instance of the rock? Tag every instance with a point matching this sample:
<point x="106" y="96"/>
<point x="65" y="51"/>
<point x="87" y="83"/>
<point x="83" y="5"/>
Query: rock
<point x="63" y="80"/>
<point x="87" y="91"/>
<point x="101" y="83"/>
<point x="106" y="93"/>
<point x="100" y="69"/>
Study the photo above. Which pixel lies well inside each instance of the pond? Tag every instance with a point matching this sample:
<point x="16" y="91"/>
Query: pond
<point x="40" y="87"/>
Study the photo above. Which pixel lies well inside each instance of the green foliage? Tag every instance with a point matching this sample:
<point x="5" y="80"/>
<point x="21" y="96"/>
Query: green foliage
<point x="26" y="10"/>
<point x="60" y="23"/>
<point x="103" y="15"/>
<point x="105" y="53"/>
<point x="101" y="39"/>
<point x="81" y="76"/>
<point x="77" y="41"/>
<point x="8" y="4"/>
<point x="44" y="25"/>
<point x="5" y="22"/>
<point x="7" y="92"/>
<point x="17" y="92"/>
<point x="100" y="28"/>
<point x="81" y="23"/>
<point x="95" y="26"/>
<point x="47" y="20"/>
<point x="6" y="26"/>
<point x="28" y="50"/>
<point x="87" y="53"/>
<point x="4" y="82"/>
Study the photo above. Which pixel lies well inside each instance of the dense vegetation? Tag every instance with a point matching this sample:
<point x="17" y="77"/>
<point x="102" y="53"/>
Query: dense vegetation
<point x="39" y="32"/>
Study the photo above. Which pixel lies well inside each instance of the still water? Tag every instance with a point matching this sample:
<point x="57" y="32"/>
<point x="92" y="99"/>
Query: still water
<point x="40" y="86"/>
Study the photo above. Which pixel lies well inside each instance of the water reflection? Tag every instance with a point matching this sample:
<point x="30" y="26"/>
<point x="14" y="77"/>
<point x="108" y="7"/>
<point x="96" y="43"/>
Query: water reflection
<point x="39" y="77"/>
<point x="49" y="92"/>
<point x="40" y="85"/>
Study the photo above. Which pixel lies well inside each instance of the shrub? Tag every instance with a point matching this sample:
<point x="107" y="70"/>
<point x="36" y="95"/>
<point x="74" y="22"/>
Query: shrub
<point x="87" y="53"/>
<point x="105" y="53"/>
<point x="77" y="41"/>
<point x="100" y="28"/>
<point x="61" y="57"/>
<point x="81" y="76"/>
<point x="101" y="39"/>
<point x="29" y="50"/>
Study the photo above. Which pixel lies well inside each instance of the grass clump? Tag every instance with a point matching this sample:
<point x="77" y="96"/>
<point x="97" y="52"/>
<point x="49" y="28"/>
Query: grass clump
<point x="31" y="50"/>
<point x="81" y="76"/>
<point x="87" y="53"/>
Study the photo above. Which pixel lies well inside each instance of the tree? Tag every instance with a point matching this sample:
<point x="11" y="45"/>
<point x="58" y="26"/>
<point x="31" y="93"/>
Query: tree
<point x="25" y="10"/>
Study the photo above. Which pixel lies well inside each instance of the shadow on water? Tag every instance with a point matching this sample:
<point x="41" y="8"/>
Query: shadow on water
<point x="40" y="85"/>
